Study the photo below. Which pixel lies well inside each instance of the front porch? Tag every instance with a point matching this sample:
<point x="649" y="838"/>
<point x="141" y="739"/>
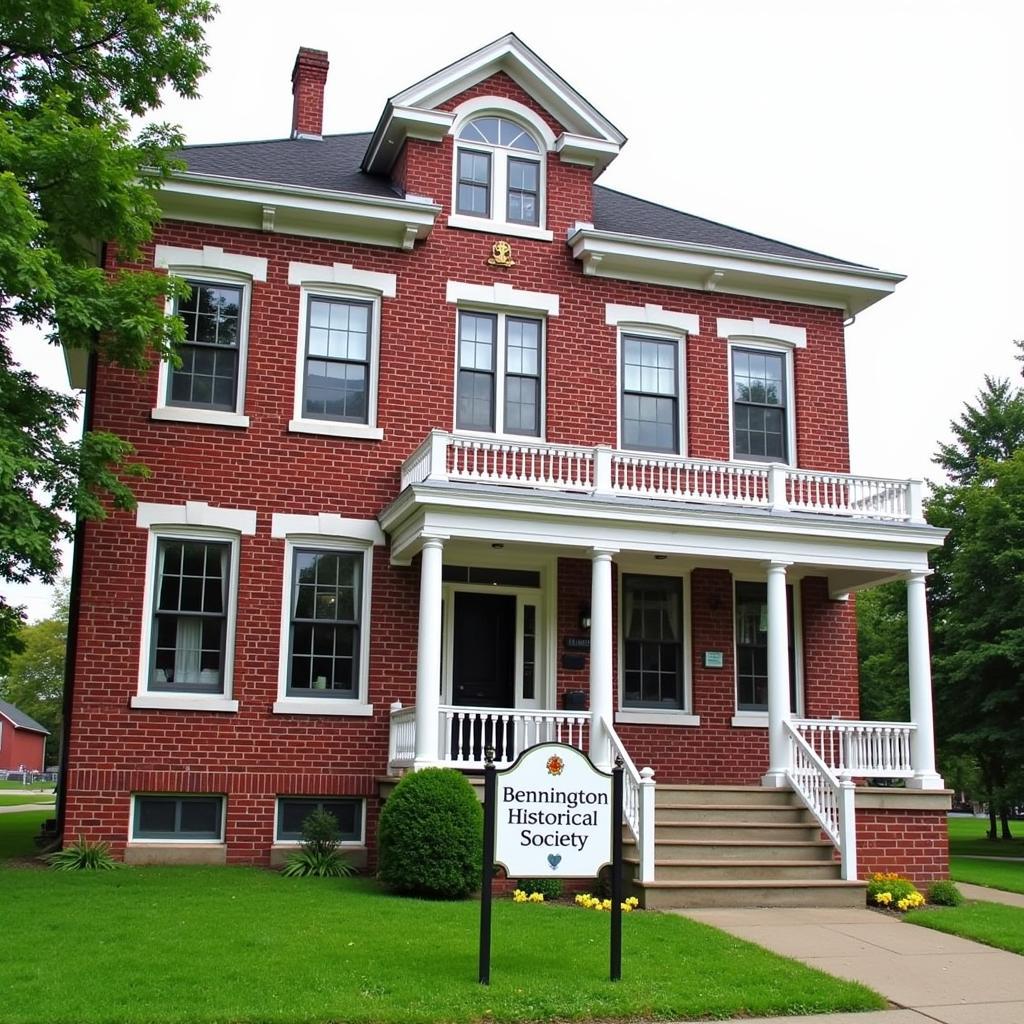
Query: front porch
<point x="565" y="545"/>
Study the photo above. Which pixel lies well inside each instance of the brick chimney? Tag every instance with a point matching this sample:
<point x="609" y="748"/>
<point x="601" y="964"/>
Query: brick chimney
<point x="309" y="76"/>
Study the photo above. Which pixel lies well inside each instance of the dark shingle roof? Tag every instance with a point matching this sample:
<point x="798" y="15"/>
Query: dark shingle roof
<point x="20" y="719"/>
<point x="333" y="164"/>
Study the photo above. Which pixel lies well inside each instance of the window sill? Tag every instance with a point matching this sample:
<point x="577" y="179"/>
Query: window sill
<point x="182" y="702"/>
<point x="327" y="428"/>
<point x="499" y="227"/>
<point x="750" y="720"/>
<point x="647" y="717"/>
<point x="326" y="706"/>
<point x="209" y="417"/>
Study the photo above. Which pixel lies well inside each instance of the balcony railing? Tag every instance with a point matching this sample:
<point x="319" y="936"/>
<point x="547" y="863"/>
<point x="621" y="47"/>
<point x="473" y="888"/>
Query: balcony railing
<point x="860" y="750"/>
<point x="605" y="471"/>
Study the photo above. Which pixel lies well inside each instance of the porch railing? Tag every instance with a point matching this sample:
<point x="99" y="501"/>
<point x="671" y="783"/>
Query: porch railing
<point x="863" y="750"/>
<point x="637" y="804"/>
<point x="602" y="470"/>
<point x="829" y="798"/>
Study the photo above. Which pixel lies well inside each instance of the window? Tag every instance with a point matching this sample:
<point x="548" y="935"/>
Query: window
<point x="650" y="394"/>
<point x="752" y="647"/>
<point x="759" y="415"/>
<point x="515" y="179"/>
<point x="337" y="371"/>
<point x="208" y="375"/>
<point x="499" y="373"/>
<point x="293" y="811"/>
<point x="180" y="818"/>
<point x="190" y="613"/>
<point x="325" y="624"/>
<point x="652" y="630"/>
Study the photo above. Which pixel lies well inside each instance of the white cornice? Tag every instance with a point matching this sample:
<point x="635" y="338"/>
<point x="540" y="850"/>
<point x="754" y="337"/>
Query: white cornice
<point x="590" y="152"/>
<point x="501" y="296"/>
<point x="710" y="268"/>
<point x="322" y="213"/>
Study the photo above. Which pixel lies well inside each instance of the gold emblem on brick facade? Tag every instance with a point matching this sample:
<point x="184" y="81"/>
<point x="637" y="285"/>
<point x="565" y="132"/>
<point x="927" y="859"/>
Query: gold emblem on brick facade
<point x="501" y="255"/>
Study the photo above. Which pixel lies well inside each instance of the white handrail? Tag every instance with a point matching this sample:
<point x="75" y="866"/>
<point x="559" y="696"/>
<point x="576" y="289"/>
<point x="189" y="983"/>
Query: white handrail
<point x="401" y="738"/>
<point x="855" y="749"/>
<point x="637" y="803"/>
<point x="829" y="799"/>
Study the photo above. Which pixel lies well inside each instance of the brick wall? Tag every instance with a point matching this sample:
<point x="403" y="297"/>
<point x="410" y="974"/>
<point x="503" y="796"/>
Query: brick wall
<point x="115" y="750"/>
<point x="912" y="843"/>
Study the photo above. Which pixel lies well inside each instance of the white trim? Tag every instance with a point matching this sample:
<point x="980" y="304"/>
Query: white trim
<point x="651" y="315"/>
<point x="190" y="414"/>
<point x="501" y="296"/>
<point x="344" y="275"/>
<point x="784" y="349"/>
<point x="326" y="524"/>
<point x="500" y="106"/>
<point x="762" y="330"/>
<point x="656" y="333"/>
<point x="196" y="514"/>
<point x="499" y="227"/>
<point x="210" y="257"/>
<point x="653" y="716"/>
<point x="750" y="720"/>
<point x="360" y="541"/>
<point x="163" y="701"/>
<point x="371" y="289"/>
<point x="169" y="840"/>
<point x="211" y="266"/>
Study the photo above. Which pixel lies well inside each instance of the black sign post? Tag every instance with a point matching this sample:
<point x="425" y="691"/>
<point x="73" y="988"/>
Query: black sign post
<point x="487" y="874"/>
<point x="616" y="936"/>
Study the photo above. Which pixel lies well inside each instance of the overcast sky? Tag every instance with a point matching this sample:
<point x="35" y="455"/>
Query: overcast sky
<point x="883" y="132"/>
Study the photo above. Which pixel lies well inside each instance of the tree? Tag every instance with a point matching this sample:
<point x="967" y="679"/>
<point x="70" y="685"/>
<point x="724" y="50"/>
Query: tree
<point x="882" y="652"/>
<point x="35" y="676"/>
<point x="72" y="179"/>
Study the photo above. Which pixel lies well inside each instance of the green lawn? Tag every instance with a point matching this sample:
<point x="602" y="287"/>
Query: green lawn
<point x="990" y="923"/>
<point x="995" y="874"/>
<point x="203" y="945"/>
<point x="17" y="832"/>
<point x="967" y="836"/>
<point x="35" y="787"/>
<point x="15" y="799"/>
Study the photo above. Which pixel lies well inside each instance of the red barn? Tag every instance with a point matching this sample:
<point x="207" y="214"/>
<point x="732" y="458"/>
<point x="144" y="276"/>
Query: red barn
<point x="468" y="451"/>
<point x="22" y="740"/>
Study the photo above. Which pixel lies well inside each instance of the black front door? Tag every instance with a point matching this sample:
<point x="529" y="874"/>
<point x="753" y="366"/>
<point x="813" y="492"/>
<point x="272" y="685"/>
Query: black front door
<point x="484" y="656"/>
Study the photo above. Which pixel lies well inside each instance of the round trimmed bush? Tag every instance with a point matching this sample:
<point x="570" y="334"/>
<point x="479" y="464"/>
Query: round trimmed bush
<point x="944" y="894"/>
<point x="431" y="836"/>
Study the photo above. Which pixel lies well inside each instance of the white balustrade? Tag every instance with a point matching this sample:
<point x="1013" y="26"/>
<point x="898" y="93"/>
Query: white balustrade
<point x="467" y="733"/>
<point x="826" y="796"/>
<point x="865" y="750"/>
<point x="603" y="471"/>
<point x="402" y="738"/>
<point x="637" y="804"/>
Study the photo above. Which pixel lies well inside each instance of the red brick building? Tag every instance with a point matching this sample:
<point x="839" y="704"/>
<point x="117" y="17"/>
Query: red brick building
<point x="22" y="741"/>
<point x="466" y="450"/>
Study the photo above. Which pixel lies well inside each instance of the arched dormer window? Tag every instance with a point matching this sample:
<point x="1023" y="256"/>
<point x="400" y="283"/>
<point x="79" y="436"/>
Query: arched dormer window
<point x="499" y="173"/>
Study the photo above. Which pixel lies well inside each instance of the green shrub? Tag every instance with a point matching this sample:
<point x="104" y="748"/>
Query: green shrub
<point x="319" y="856"/>
<point x="82" y="855"/>
<point x="431" y="836"/>
<point x="893" y="892"/>
<point x="944" y="894"/>
<point x="549" y="888"/>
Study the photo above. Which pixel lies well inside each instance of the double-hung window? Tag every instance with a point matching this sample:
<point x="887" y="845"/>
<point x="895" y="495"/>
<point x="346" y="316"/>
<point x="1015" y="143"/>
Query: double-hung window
<point x="500" y="359"/>
<point x="652" y="632"/>
<point x="337" y="366"/>
<point x="650" y="376"/>
<point x="759" y="405"/>
<point x="752" y="647"/>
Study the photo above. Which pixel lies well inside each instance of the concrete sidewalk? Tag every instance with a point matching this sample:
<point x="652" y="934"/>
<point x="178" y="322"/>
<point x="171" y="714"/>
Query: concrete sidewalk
<point x="983" y="892"/>
<point x="931" y="976"/>
<point x="26" y="807"/>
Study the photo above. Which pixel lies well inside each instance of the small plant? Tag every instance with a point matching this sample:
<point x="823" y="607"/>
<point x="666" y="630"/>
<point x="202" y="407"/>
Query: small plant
<point x="319" y="856"/>
<point x="892" y="891"/>
<point x="81" y="855"/>
<point x="549" y="888"/>
<point x="588" y="902"/>
<point x="944" y="894"/>
<point x="527" y="897"/>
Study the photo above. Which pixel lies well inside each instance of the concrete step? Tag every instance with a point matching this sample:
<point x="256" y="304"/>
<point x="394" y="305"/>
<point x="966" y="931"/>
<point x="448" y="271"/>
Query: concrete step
<point x="728" y="812"/>
<point x="756" y="893"/>
<point x="671" y="793"/>
<point x="741" y="870"/>
<point x="737" y="849"/>
<point x="758" y="831"/>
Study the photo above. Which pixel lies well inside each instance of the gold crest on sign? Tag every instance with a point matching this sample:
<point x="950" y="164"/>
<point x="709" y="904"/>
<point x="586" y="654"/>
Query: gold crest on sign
<point x="501" y="255"/>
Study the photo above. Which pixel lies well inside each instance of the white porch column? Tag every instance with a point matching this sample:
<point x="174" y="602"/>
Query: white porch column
<point x="601" y="654"/>
<point x="922" y="740"/>
<point x="778" y="676"/>
<point x="428" y="655"/>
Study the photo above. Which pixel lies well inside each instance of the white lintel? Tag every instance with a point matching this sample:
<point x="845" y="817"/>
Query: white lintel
<point x="210" y="257"/>
<point x="196" y="513"/>
<point x="343" y="274"/>
<point x="326" y="524"/>
<point x="765" y="329"/>
<point x="651" y="315"/>
<point x="501" y="296"/>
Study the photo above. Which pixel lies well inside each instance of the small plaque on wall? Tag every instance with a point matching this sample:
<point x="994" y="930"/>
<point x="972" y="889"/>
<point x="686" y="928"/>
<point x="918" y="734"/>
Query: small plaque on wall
<point x="576" y="643"/>
<point x="714" y="659"/>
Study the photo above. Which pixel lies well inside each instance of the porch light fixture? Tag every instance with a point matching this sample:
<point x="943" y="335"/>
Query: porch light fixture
<point x="584" y="616"/>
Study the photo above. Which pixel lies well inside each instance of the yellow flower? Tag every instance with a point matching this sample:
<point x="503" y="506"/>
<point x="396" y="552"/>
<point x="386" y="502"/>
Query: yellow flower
<point x="632" y="901"/>
<point x="536" y="897"/>
<point x="519" y="896"/>
<point x="884" y="898"/>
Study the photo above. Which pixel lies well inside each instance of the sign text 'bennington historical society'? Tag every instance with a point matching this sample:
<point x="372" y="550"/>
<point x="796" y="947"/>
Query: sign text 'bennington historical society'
<point x="553" y="815"/>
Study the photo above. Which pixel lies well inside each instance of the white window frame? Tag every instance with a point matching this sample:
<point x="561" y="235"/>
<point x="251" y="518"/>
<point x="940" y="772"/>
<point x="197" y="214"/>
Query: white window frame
<point x="166" y="841"/>
<point x="683" y="716"/>
<point x="199" y="522"/>
<point x="779" y="339"/>
<point x="210" y="265"/>
<point x="345" y="282"/>
<point x="759" y="719"/>
<point x="294" y="844"/>
<point x="498" y="222"/>
<point x="326" y="533"/>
